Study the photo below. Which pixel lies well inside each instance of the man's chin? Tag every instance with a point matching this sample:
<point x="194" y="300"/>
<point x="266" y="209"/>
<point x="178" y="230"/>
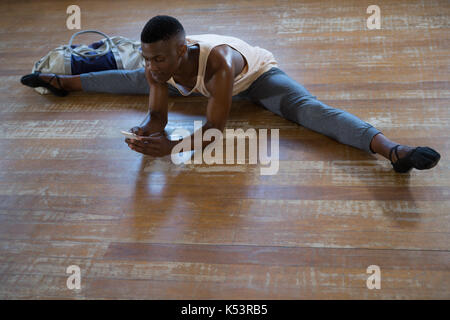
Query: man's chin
<point x="162" y="79"/>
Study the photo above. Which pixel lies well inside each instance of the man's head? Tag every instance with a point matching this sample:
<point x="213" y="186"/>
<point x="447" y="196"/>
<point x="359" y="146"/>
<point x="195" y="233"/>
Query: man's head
<point x="163" y="43"/>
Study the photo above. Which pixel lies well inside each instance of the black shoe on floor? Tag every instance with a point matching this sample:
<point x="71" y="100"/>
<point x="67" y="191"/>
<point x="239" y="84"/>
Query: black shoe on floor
<point x="33" y="80"/>
<point x="420" y="158"/>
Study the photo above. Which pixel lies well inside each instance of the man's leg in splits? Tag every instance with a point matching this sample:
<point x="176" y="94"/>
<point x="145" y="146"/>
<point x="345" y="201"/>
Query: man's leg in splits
<point x="279" y="93"/>
<point x="108" y="81"/>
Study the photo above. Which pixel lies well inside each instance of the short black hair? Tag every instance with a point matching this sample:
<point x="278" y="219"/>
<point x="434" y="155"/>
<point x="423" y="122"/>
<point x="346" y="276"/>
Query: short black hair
<point x="161" y="28"/>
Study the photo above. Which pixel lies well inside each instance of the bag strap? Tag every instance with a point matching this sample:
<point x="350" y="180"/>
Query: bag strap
<point x="109" y="44"/>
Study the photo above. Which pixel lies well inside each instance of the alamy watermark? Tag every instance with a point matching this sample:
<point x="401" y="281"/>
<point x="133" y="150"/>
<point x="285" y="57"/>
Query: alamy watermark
<point x="374" y="21"/>
<point x="74" y="280"/>
<point x="373" y="281"/>
<point x="257" y="147"/>
<point x="74" y="19"/>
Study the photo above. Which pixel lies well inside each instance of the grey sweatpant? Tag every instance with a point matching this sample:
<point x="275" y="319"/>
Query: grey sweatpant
<point x="274" y="90"/>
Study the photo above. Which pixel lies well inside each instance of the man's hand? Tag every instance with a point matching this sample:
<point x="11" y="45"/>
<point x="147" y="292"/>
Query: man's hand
<point x="156" y="145"/>
<point x="145" y="130"/>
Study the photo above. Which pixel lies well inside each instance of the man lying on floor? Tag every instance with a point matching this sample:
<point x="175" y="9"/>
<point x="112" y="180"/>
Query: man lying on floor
<point x="221" y="68"/>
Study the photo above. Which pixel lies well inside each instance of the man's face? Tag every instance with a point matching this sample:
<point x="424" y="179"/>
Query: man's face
<point x="162" y="58"/>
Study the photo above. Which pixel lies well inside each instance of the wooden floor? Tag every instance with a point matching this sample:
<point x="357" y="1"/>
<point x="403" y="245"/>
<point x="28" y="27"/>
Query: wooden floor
<point x="73" y="193"/>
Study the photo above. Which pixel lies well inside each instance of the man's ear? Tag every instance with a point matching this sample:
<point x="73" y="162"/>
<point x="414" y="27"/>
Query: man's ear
<point x="181" y="50"/>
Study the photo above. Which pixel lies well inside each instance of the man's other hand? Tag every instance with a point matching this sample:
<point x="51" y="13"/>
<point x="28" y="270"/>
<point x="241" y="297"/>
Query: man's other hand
<point x="156" y="145"/>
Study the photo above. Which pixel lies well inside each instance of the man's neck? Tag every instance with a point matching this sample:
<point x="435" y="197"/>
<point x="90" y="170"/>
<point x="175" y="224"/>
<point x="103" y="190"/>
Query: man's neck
<point x="189" y="65"/>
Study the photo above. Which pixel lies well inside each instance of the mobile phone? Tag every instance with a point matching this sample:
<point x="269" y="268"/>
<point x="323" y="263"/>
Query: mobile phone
<point x="129" y="134"/>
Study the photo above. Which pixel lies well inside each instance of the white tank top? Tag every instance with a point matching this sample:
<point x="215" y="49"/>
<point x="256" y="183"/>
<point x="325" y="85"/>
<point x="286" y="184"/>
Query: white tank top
<point x="259" y="60"/>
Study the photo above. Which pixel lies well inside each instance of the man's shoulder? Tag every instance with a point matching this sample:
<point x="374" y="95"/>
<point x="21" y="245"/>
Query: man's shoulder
<point x="219" y="59"/>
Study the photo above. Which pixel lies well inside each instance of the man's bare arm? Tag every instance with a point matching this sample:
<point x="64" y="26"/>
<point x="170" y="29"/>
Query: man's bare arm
<point x="219" y="103"/>
<point x="156" y="118"/>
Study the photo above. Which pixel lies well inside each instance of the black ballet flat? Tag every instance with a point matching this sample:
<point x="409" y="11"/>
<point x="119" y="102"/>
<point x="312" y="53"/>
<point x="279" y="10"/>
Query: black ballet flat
<point x="33" y="80"/>
<point x="420" y="158"/>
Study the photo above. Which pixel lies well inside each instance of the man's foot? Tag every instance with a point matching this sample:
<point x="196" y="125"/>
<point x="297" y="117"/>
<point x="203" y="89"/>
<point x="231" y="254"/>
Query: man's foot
<point x="405" y="158"/>
<point x="402" y="151"/>
<point x="50" y="81"/>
